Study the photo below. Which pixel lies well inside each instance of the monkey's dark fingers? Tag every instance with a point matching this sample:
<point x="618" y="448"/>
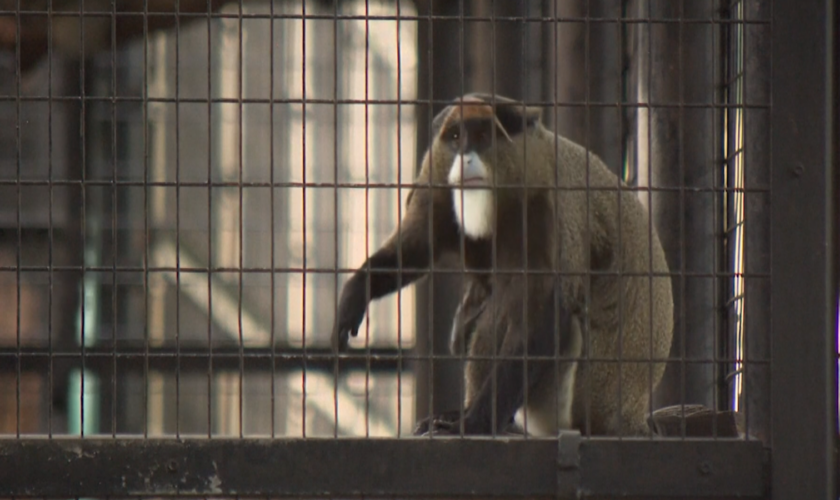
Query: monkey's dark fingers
<point x="351" y="312"/>
<point x="341" y="337"/>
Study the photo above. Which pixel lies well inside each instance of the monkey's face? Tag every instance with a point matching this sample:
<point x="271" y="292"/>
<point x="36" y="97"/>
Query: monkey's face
<point x="471" y="174"/>
<point x="477" y="146"/>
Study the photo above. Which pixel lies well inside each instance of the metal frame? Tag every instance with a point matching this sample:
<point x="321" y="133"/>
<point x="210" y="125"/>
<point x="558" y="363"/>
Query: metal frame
<point x="803" y="369"/>
<point x="574" y="468"/>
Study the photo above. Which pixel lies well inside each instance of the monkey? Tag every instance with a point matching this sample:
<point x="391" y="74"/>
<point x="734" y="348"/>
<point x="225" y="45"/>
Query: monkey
<point x="561" y="260"/>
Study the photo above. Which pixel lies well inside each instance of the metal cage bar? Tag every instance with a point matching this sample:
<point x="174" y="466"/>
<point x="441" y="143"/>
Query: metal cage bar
<point x="804" y="177"/>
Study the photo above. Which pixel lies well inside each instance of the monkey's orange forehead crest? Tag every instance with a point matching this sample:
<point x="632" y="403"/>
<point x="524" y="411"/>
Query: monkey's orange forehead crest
<point x="469" y="107"/>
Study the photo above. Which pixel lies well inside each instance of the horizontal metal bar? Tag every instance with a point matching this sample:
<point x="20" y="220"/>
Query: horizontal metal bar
<point x="105" y="98"/>
<point x="448" y="467"/>
<point x="331" y="270"/>
<point x="201" y="350"/>
<point x="253" y="364"/>
<point x="247" y="355"/>
<point x="359" y="185"/>
<point x="372" y="17"/>
<point x="196" y="360"/>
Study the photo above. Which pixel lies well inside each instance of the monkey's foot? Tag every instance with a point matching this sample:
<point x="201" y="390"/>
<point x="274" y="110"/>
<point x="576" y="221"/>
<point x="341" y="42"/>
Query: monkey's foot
<point x="433" y="424"/>
<point x="449" y="424"/>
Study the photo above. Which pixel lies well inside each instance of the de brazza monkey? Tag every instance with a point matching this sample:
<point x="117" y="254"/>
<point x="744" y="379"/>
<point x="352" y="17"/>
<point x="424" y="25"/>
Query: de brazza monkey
<point x="560" y="261"/>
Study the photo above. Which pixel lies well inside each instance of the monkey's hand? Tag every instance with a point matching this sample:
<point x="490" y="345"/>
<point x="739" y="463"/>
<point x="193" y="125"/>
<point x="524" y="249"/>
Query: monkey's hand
<point x="351" y="312"/>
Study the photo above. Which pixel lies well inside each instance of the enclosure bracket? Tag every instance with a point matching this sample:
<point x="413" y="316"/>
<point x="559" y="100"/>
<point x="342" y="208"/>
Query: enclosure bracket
<point x="568" y="464"/>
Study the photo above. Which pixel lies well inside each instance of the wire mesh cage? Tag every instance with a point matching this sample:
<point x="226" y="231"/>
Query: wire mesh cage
<point x="188" y="190"/>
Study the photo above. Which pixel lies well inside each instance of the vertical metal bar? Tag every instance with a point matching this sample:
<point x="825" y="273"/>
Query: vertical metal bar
<point x="438" y="66"/>
<point x="565" y="63"/>
<point x="602" y="80"/>
<point x="303" y="224"/>
<point x="494" y="44"/>
<point x="523" y="90"/>
<point x="18" y="229"/>
<point x="462" y="240"/>
<point x="178" y="225"/>
<point x="733" y="162"/>
<point x="399" y="235"/>
<point x="240" y="219"/>
<point x="836" y="197"/>
<point x="146" y="207"/>
<point x="85" y="239"/>
<point x="335" y="210"/>
<point x="210" y="253"/>
<point x="563" y="84"/>
<point x="70" y="302"/>
<point x="686" y="162"/>
<point x="114" y="225"/>
<point x="51" y="235"/>
<point x="756" y="75"/>
<point x="720" y="257"/>
<point x="804" y="177"/>
<point x="604" y="83"/>
<point x="271" y="166"/>
<point x="586" y="142"/>
<point x="367" y="205"/>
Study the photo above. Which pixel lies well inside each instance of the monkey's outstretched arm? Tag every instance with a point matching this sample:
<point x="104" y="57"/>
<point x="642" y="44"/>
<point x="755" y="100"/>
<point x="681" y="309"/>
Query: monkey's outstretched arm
<point x="401" y="260"/>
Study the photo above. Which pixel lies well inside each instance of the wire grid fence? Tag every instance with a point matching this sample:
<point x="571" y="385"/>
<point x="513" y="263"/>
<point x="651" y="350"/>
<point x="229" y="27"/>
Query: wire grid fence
<point x="183" y="195"/>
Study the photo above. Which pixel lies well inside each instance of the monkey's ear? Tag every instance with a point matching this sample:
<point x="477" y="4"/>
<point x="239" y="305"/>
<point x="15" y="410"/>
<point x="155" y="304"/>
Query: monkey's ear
<point x="515" y="118"/>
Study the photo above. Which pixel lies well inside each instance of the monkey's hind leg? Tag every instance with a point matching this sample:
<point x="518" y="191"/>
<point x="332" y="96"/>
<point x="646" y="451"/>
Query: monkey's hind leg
<point x="497" y="388"/>
<point x="472" y="305"/>
<point x="548" y="409"/>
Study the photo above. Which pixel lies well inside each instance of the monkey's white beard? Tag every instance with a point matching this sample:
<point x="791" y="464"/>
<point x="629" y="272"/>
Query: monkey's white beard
<point x="475" y="215"/>
<point x="474" y="208"/>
